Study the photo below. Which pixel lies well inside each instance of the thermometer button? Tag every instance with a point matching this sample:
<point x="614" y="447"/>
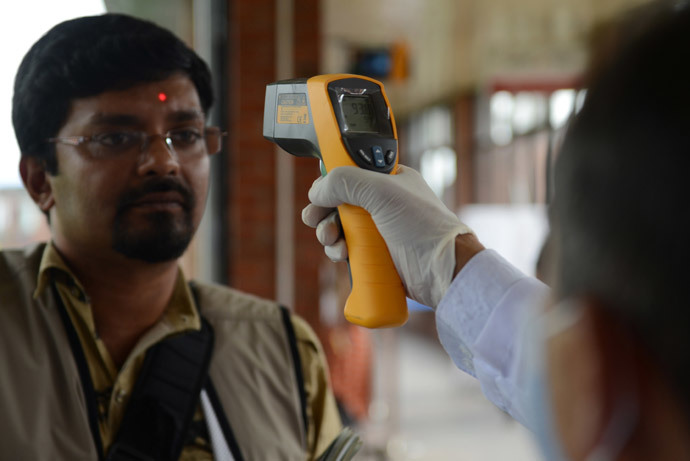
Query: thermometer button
<point x="366" y="157"/>
<point x="378" y="156"/>
<point x="390" y="157"/>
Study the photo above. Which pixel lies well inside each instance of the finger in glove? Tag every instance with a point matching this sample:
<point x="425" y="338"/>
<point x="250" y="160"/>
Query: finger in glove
<point x="329" y="230"/>
<point x="312" y="214"/>
<point x="338" y="251"/>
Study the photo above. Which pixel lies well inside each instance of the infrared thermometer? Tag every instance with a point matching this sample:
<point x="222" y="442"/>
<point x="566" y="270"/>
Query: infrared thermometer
<point x="346" y="120"/>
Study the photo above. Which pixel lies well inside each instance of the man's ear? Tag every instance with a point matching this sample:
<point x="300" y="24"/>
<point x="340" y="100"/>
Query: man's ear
<point x="37" y="182"/>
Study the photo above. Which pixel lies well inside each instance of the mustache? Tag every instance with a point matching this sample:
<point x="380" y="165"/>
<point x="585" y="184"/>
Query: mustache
<point x="131" y="196"/>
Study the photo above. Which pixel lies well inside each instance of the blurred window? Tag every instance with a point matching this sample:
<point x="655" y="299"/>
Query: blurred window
<point x="438" y="166"/>
<point x="526" y="123"/>
<point x="430" y="149"/>
<point x="529" y="112"/>
<point x="502" y="106"/>
<point x="519" y="113"/>
<point x="562" y="104"/>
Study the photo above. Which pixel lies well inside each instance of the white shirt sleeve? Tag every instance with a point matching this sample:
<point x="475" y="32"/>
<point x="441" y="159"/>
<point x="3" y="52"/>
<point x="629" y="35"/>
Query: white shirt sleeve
<point x="480" y="322"/>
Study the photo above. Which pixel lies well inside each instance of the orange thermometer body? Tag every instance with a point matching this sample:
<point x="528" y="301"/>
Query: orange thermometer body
<point x="346" y="120"/>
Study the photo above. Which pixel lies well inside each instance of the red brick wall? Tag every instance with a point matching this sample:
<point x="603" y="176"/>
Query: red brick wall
<point x="308" y="252"/>
<point x="252" y="162"/>
<point x="251" y="175"/>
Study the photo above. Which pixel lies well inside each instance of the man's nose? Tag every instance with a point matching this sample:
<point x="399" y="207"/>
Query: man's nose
<point x="158" y="157"/>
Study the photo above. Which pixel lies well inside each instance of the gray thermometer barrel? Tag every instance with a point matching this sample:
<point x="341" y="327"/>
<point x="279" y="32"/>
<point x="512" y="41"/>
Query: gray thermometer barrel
<point x="288" y="120"/>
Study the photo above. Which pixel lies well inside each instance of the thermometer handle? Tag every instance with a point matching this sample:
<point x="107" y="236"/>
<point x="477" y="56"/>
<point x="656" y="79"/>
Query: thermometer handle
<point x="378" y="296"/>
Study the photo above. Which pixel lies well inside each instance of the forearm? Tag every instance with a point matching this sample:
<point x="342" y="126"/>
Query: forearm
<point x="466" y="247"/>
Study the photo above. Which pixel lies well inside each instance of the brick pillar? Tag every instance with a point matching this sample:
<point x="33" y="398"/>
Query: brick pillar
<point x="464" y="146"/>
<point x="308" y="252"/>
<point x="252" y="159"/>
<point x="251" y="165"/>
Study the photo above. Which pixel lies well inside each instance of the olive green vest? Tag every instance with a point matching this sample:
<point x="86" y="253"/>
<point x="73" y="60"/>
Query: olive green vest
<point x="43" y="413"/>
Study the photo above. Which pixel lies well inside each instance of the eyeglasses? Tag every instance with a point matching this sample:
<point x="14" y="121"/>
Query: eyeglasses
<point x="185" y="142"/>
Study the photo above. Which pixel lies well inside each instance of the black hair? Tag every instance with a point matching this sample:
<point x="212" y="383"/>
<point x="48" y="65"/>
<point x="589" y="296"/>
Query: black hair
<point x="87" y="56"/>
<point x="622" y="197"/>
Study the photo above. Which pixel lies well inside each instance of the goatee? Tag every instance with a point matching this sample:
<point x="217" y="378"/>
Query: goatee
<point x="166" y="235"/>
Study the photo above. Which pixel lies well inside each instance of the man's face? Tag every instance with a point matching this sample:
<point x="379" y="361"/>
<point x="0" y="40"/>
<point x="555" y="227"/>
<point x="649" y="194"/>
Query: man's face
<point x="143" y="205"/>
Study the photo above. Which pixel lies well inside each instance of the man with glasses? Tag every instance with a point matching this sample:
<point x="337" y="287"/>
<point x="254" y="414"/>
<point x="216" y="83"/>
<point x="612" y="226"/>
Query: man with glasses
<point x="106" y="351"/>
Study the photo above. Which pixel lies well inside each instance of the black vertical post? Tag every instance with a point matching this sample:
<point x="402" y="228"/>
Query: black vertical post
<point x="219" y="163"/>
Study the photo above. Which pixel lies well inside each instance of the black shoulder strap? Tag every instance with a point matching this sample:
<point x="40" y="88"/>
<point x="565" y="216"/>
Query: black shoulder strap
<point x="223" y="421"/>
<point x="166" y="393"/>
<point x="84" y="373"/>
<point x="164" y="398"/>
<point x="297" y="361"/>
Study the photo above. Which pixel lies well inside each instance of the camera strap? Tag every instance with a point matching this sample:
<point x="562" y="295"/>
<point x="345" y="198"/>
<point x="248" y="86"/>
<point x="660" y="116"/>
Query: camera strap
<point x="164" y="398"/>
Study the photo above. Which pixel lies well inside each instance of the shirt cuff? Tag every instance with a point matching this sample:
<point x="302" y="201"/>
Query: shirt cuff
<point x="467" y="308"/>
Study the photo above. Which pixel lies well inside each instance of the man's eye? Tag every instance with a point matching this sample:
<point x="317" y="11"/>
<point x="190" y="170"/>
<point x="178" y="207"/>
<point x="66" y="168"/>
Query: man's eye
<point x="117" y="139"/>
<point x="185" y="137"/>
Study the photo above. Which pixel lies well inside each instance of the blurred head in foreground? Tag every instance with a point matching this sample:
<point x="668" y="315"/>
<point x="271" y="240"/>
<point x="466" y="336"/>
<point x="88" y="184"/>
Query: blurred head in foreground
<point x="620" y="370"/>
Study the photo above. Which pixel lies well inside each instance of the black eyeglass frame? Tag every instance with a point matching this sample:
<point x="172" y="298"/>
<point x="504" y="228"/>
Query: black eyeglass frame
<point x="216" y="136"/>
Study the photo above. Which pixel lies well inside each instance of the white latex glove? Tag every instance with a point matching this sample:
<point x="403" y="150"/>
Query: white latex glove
<point x="417" y="227"/>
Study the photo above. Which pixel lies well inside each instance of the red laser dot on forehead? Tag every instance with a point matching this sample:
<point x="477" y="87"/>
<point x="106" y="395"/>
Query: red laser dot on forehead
<point x="162" y="97"/>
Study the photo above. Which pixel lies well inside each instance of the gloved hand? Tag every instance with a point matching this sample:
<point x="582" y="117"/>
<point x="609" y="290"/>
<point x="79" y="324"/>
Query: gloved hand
<point x="417" y="227"/>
